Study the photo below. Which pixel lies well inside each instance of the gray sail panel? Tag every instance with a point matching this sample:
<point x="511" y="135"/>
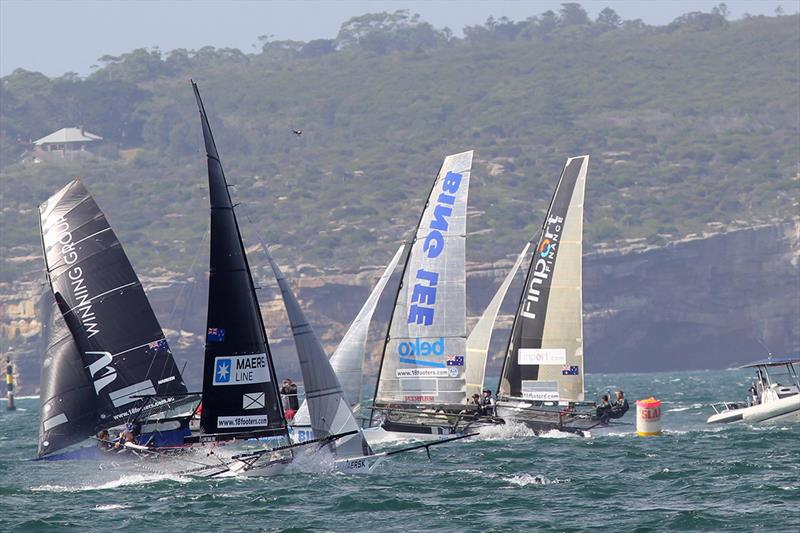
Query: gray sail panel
<point x="544" y="360"/>
<point x="329" y="410"/>
<point x="348" y="359"/>
<point x="481" y="335"/>
<point x="423" y="361"/>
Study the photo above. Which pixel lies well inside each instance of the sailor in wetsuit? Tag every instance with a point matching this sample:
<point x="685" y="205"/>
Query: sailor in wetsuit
<point x="104" y="441"/>
<point x="620" y="406"/>
<point x="487" y="404"/>
<point x="604" y="409"/>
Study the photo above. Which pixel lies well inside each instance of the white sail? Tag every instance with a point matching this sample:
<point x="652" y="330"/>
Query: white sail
<point x="329" y="411"/>
<point x="481" y="335"/>
<point x="348" y="359"/>
<point x="423" y="359"/>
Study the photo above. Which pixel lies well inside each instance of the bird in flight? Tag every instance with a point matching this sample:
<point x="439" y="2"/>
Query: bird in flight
<point x="297" y="132"/>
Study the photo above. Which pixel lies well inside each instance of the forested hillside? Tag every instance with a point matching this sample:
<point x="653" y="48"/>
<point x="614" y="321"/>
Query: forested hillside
<point x="689" y="124"/>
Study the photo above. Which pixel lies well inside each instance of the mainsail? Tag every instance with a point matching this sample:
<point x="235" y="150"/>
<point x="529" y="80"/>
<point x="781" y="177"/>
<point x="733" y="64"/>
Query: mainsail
<point x="424" y="354"/>
<point x="239" y="386"/>
<point x="544" y="359"/>
<point x="328" y="408"/>
<point x="481" y="335"/>
<point x="101" y="320"/>
<point x="348" y="359"/>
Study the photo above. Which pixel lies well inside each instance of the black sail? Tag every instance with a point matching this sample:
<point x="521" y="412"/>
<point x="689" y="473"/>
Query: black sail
<point x="69" y="405"/>
<point x="103" y="306"/>
<point x="528" y="330"/>
<point x="239" y="387"/>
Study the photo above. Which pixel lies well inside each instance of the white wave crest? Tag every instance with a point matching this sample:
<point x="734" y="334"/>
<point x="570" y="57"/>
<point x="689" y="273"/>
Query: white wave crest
<point x="135" y="479"/>
<point x="556" y="434"/>
<point x="111" y="507"/>
<point x="680" y="409"/>
<point x="507" y="431"/>
<point x="522" y="480"/>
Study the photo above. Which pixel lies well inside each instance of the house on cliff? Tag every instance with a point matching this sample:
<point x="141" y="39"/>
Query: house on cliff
<point x="66" y="143"/>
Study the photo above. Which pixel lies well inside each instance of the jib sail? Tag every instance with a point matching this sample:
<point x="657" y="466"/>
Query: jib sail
<point x="102" y="303"/>
<point x="239" y="388"/>
<point x="544" y="359"/>
<point x="424" y="354"/>
<point x="348" y="359"/>
<point x="481" y="335"/>
<point x="328" y="408"/>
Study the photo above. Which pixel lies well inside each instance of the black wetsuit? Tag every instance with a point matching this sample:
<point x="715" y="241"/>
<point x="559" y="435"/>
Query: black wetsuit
<point x="619" y="409"/>
<point x="603" y="412"/>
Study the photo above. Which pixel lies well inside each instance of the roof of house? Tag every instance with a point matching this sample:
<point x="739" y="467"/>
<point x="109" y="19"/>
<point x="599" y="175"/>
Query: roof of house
<point x="68" y="135"/>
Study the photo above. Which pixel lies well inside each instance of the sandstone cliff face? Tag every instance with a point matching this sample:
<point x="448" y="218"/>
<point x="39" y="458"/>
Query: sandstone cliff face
<point x="707" y="301"/>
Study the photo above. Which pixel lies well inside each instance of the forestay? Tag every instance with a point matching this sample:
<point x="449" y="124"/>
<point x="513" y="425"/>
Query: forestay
<point x="424" y="354"/>
<point x="348" y="359"/>
<point x="239" y="387"/>
<point x="102" y="305"/>
<point x="481" y="335"/>
<point x="329" y="411"/>
<point x="544" y="360"/>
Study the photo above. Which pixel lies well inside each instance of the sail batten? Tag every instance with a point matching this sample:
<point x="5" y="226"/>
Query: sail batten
<point x="544" y="358"/>
<point x="239" y="385"/>
<point x="424" y="354"/>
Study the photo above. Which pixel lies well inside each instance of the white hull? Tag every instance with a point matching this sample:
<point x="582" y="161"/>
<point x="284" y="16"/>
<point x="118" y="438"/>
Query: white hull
<point x="773" y="412"/>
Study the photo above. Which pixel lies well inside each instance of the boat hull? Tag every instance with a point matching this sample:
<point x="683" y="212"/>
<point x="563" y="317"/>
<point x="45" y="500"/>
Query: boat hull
<point x="775" y="412"/>
<point x="544" y="419"/>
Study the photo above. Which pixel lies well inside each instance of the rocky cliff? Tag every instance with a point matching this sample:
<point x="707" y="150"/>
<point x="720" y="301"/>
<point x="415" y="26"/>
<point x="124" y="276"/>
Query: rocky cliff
<point x="705" y="301"/>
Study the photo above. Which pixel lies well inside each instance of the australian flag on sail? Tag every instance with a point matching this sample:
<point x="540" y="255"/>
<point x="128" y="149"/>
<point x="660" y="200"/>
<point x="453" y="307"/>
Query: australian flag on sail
<point x="455" y="360"/>
<point x="216" y="335"/>
<point x="157" y="346"/>
<point x="569" y="371"/>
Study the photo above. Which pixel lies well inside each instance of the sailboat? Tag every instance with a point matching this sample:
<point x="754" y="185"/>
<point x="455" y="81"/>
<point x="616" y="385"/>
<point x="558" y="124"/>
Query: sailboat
<point x="347" y="360"/>
<point x="240" y="398"/>
<point x="421" y="387"/>
<point x="542" y="380"/>
<point x="106" y="362"/>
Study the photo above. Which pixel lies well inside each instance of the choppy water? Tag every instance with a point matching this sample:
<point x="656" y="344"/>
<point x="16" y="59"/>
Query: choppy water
<point x="693" y="477"/>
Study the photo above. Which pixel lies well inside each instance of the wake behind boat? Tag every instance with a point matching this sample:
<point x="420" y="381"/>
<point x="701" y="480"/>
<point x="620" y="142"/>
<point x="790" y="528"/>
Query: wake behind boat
<point x="774" y="396"/>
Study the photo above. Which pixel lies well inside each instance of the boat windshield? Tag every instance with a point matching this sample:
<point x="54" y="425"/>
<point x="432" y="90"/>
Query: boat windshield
<point x="782" y="376"/>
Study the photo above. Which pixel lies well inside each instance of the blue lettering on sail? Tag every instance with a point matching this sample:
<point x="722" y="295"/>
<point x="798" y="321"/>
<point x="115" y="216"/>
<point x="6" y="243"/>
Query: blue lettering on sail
<point x="423" y="295"/>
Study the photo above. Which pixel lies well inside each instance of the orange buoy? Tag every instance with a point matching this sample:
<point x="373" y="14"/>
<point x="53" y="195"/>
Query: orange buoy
<point x="648" y="417"/>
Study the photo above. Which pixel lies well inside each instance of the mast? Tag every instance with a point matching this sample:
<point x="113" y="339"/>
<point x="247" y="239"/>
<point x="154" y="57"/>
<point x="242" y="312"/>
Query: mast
<point x="102" y="333"/>
<point x="544" y="357"/>
<point x="240" y="392"/>
<point x="427" y="331"/>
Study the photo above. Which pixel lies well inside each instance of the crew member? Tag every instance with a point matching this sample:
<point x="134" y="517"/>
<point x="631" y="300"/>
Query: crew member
<point x="488" y="406"/>
<point x="103" y="441"/>
<point x="603" y="409"/>
<point x="620" y="406"/>
<point x="290" y="401"/>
